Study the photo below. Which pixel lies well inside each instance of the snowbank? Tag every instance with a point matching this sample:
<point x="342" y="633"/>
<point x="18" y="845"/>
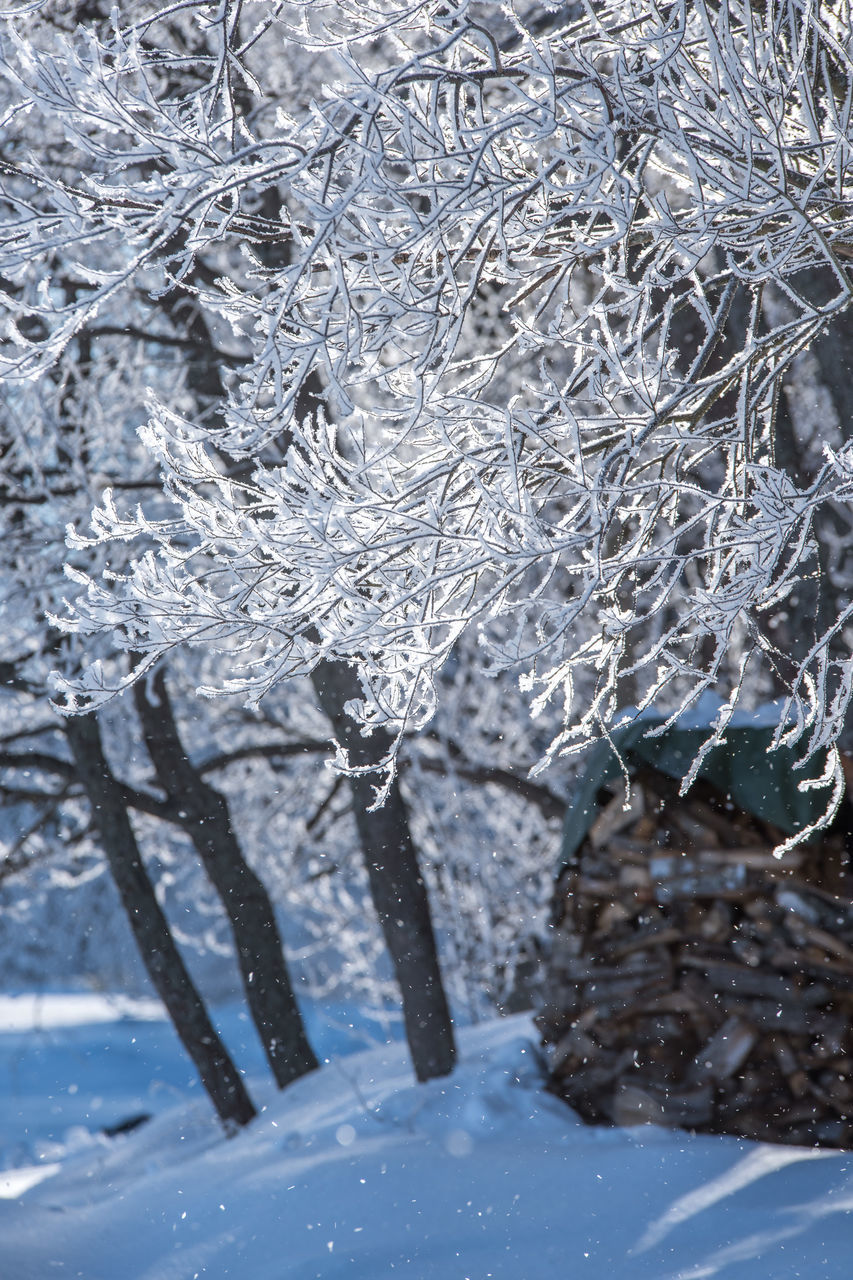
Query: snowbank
<point x="359" y="1172"/>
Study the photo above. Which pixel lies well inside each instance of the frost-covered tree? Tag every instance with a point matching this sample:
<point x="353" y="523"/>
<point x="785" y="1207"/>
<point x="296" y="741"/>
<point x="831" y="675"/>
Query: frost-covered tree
<point x="546" y="268"/>
<point x="61" y="439"/>
<point x="48" y="469"/>
<point x="91" y="388"/>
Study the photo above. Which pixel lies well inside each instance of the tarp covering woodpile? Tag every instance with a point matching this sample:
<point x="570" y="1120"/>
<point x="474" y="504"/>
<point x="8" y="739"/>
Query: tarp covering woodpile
<point x="696" y="979"/>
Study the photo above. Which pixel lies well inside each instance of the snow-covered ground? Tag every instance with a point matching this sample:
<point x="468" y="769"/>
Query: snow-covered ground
<point x="358" y="1172"/>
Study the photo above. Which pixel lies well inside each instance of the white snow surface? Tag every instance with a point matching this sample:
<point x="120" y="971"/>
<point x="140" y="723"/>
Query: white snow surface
<point x="357" y="1171"/>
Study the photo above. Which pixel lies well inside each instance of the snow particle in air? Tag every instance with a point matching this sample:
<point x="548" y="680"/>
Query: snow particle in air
<point x="459" y="1143"/>
<point x="345" y="1134"/>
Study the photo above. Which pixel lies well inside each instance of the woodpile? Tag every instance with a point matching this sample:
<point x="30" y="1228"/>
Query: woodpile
<point x="698" y="981"/>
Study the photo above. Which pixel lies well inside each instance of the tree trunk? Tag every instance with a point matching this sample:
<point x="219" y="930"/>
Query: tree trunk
<point x="157" y="947"/>
<point x="205" y="816"/>
<point x="396" y="884"/>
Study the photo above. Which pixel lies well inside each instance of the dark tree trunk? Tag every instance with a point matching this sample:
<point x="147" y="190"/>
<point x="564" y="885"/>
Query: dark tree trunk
<point x="396" y="884"/>
<point x="157" y="947"/>
<point x="205" y="816"/>
<point x="833" y="350"/>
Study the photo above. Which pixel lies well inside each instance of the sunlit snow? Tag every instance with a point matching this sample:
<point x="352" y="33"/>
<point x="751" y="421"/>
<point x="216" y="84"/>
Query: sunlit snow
<point x="359" y="1172"/>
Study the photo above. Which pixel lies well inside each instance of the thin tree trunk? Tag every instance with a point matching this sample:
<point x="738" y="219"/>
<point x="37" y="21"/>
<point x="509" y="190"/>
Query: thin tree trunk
<point x="396" y="884"/>
<point x="157" y="947"/>
<point x="206" y="818"/>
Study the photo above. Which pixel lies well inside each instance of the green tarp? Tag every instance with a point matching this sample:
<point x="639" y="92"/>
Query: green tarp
<point x="759" y="781"/>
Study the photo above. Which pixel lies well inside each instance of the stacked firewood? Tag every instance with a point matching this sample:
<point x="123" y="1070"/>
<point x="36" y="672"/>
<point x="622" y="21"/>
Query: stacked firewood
<point x="697" y="980"/>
